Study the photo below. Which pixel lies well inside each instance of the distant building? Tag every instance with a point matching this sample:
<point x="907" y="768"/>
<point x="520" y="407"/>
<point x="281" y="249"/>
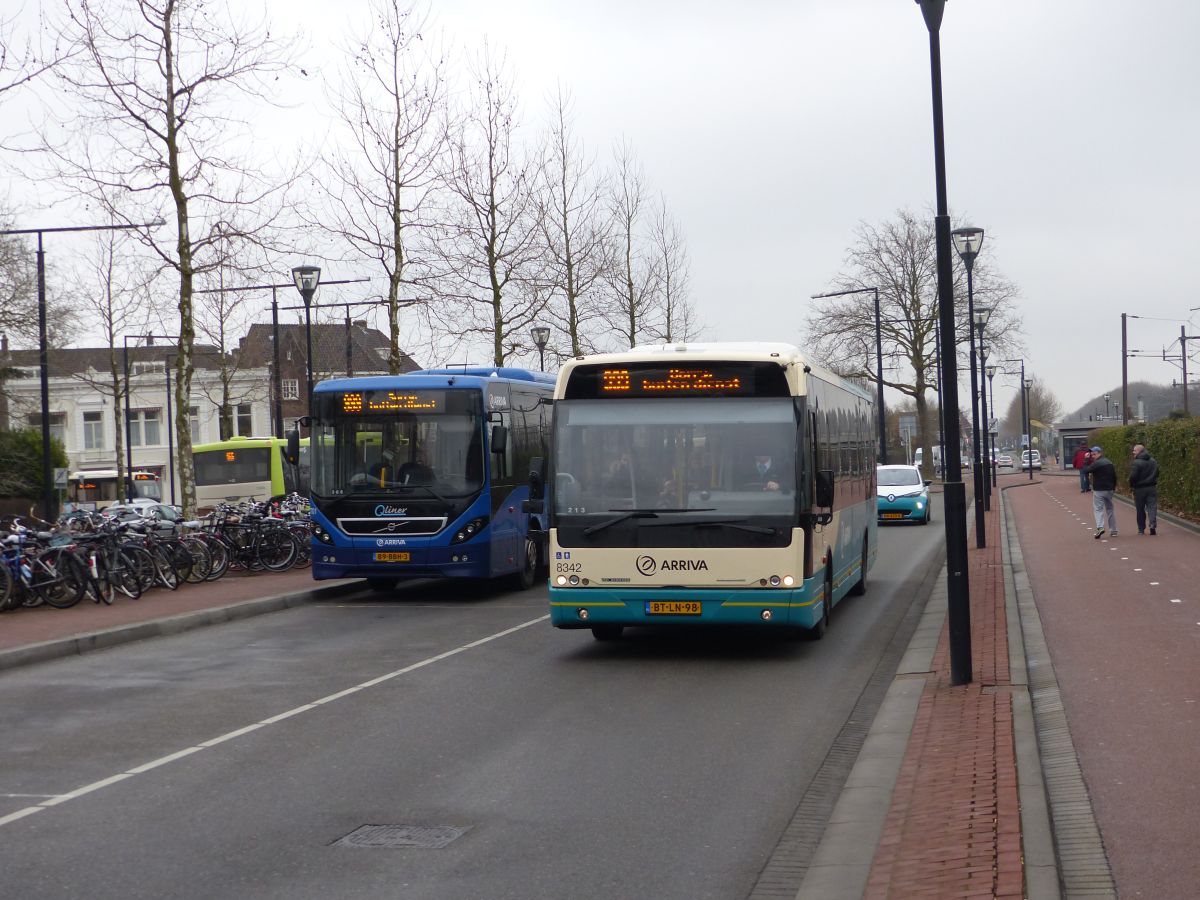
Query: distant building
<point x="337" y="352"/>
<point x="81" y="399"/>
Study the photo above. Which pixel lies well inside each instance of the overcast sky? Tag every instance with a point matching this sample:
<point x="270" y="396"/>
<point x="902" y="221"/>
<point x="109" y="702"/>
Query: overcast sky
<point x="774" y="128"/>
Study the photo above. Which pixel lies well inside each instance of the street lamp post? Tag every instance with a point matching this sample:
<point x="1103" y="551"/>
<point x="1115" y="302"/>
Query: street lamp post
<point x="982" y="314"/>
<point x="991" y="373"/>
<point x="1107" y="407"/>
<point x="882" y="416"/>
<point x="307" y="279"/>
<point x="48" y="507"/>
<point x="967" y="241"/>
<point x="541" y="337"/>
<point x="1026" y="384"/>
<point x="958" y="587"/>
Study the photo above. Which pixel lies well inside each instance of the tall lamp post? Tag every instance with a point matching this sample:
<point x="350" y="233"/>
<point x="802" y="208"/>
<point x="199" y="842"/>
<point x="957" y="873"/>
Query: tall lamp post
<point x="967" y="242"/>
<point x="307" y="279"/>
<point x="958" y="587"/>
<point x="1107" y="406"/>
<point x="982" y="314"/>
<point x="1026" y="384"/>
<point x="991" y="373"/>
<point x="541" y="337"/>
<point x="882" y="416"/>
<point x="43" y="345"/>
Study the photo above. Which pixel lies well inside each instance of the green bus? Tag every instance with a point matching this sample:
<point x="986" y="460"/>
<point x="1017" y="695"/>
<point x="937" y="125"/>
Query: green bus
<point x="247" y="468"/>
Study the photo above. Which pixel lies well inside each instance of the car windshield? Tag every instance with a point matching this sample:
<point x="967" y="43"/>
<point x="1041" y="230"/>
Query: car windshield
<point x="899" y="477"/>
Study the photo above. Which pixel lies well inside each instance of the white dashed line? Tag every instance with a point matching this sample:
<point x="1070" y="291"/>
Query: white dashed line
<point x="56" y="799"/>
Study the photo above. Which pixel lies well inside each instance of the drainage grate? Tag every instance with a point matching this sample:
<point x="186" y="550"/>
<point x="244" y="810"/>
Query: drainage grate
<point x="423" y="837"/>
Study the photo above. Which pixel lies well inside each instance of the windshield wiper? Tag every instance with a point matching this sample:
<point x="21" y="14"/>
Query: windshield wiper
<point x="627" y="514"/>
<point x="724" y="523"/>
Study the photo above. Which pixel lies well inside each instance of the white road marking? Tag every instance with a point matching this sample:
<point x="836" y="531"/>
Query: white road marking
<point x="1176" y="600"/>
<point x="1154" y="584"/>
<point x="56" y="799"/>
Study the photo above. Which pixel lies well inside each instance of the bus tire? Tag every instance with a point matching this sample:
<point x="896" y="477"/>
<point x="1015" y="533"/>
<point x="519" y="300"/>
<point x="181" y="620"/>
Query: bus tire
<point x="524" y="579"/>
<point x="822" y="625"/>
<point x="860" y="586"/>
<point x="607" y="632"/>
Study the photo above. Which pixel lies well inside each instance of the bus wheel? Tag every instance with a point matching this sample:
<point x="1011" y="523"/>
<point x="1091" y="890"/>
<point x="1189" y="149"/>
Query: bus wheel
<point x="525" y="578"/>
<point x="607" y="632"/>
<point x="382" y="585"/>
<point x="860" y="587"/>
<point x="818" y="630"/>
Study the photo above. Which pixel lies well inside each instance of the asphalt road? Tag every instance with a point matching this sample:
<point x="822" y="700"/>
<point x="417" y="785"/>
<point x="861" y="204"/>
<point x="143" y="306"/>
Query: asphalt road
<point x="229" y="762"/>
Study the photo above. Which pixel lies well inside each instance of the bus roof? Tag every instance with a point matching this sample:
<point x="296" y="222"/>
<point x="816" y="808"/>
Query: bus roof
<point x="457" y="376"/>
<point x="786" y="355"/>
<point x="242" y="441"/>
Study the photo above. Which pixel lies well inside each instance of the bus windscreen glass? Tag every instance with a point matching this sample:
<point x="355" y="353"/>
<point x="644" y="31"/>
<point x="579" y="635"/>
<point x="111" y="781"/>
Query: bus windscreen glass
<point x="233" y="466"/>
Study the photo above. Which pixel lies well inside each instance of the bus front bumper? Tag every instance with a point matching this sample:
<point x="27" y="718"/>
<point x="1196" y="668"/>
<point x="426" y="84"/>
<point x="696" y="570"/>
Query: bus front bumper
<point x="780" y="607"/>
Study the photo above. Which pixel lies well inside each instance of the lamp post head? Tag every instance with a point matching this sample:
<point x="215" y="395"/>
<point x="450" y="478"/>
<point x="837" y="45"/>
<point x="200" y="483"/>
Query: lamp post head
<point x="541" y="336"/>
<point x="307" y="279"/>
<point x="982" y="314"/>
<point x="967" y="241"/>
<point x="991" y="371"/>
<point x="1028" y="383"/>
<point x="932" y="11"/>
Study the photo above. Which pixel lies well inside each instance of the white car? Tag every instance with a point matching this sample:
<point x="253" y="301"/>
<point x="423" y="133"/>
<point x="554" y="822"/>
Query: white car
<point x="1037" y="459"/>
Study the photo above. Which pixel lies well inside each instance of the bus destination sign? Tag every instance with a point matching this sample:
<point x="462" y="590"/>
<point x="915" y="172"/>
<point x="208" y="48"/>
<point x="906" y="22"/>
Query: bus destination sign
<point x="392" y="401"/>
<point x="715" y="379"/>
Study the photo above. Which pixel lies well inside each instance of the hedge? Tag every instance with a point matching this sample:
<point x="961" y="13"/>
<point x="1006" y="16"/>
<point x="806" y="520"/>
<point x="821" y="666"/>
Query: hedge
<point x="1175" y="443"/>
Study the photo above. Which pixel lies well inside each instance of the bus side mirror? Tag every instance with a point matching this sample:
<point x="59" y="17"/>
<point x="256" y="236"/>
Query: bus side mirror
<point x="537" y="486"/>
<point x="292" y="452"/>
<point x="499" y="439"/>
<point x="825" y="488"/>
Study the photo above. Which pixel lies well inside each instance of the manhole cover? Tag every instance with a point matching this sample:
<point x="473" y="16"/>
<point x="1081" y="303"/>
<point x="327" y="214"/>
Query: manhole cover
<point x="423" y="837"/>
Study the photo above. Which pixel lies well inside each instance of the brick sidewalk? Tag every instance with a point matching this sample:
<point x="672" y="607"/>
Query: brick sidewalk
<point x="954" y="826"/>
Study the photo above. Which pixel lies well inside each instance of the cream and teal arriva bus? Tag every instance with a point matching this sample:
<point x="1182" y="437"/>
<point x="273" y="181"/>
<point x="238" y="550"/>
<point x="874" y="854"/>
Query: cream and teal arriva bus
<point x="708" y="484"/>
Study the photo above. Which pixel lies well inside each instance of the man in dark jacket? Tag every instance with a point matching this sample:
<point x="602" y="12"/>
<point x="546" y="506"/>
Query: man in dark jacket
<point x="1143" y="478"/>
<point x="1078" y="461"/>
<point x="1104" y="483"/>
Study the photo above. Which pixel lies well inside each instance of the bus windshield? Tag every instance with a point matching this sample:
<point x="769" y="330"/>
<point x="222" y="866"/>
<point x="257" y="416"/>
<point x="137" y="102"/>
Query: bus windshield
<point x="395" y="444"/>
<point x="232" y="465"/>
<point x="696" y="458"/>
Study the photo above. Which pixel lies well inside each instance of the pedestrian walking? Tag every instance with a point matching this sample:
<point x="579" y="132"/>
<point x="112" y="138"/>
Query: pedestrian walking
<point x="1143" y="478"/>
<point x="1104" y="483"/>
<point x="1078" y="461"/>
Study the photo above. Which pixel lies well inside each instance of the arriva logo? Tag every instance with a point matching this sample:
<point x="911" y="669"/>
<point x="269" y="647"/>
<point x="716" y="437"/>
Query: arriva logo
<point x="648" y="565"/>
<point x="382" y="510"/>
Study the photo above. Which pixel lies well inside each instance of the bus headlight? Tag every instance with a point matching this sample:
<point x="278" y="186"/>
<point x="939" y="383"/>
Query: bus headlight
<point x="774" y="581"/>
<point x="788" y="580"/>
<point x="561" y="580"/>
<point x="322" y="535"/>
<point x="469" y="530"/>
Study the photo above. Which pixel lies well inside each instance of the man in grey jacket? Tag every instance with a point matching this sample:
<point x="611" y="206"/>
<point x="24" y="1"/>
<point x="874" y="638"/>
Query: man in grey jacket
<point x="1104" y="483"/>
<point x="1143" y="478"/>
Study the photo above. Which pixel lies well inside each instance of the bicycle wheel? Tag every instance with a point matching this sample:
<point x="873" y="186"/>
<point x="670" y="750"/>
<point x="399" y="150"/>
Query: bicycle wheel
<point x="99" y="586"/>
<point x="200" y="558"/>
<point x="7" y="591"/>
<point x="165" y="572"/>
<point x="303" y="536"/>
<point x="276" y="550"/>
<point x="124" y="573"/>
<point x="142" y="565"/>
<point x="56" y="578"/>
<point x="218" y="553"/>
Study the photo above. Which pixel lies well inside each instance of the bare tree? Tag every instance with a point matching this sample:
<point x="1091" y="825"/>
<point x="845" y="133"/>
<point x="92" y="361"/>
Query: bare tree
<point x="488" y="248"/>
<point x="672" y="279"/>
<point x="900" y="259"/>
<point x="391" y="103"/>
<point x="1043" y="407"/>
<point x="19" y="294"/>
<point x="116" y="293"/>
<point x="574" y="230"/>
<point x="22" y="60"/>
<point x="631" y="276"/>
<point x="155" y="83"/>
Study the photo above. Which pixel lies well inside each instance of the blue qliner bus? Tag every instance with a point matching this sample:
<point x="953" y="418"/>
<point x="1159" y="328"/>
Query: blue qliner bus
<point x="707" y="484"/>
<point x="424" y="475"/>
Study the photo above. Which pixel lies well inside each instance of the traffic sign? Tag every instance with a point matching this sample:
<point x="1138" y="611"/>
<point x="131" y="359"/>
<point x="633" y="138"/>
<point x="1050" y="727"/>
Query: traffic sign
<point x="60" y="478"/>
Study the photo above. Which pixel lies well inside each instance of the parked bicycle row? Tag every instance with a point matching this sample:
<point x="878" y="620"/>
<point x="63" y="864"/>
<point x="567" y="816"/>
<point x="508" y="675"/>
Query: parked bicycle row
<point x="97" y="557"/>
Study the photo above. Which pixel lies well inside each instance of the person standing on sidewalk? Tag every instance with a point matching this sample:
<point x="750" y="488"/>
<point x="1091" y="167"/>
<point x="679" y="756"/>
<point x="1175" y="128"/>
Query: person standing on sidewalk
<point x="1104" y="483"/>
<point x="1078" y="461"/>
<point x="1143" y="478"/>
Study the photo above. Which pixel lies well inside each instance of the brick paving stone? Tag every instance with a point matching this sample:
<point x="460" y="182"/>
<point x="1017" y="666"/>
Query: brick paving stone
<point x="953" y="827"/>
